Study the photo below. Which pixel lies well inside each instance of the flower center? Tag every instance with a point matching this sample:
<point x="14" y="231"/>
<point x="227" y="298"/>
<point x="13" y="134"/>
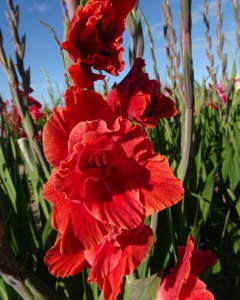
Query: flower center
<point x="98" y="159"/>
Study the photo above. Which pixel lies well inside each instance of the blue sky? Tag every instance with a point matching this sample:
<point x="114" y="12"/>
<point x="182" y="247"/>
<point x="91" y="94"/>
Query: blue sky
<point x="42" y="51"/>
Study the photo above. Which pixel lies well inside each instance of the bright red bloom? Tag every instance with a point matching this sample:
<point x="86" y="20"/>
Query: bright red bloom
<point x="101" y="166"/>
<point x="118" y="256"/>
<point x="115" y="173"/>
<point x="94" y="39"/>
<point x="181" y="283"/>
<point x="109" y="168"/>
<point x="138" y="98"/>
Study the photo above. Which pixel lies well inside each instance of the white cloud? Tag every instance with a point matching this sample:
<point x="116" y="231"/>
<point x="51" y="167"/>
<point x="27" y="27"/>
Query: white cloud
<point x="156" y="30"/>
<point x="197" y="12"/>
<point x="41" y="7"/>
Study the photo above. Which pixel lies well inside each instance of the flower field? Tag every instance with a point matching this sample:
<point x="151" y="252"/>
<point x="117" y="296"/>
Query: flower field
<point x="129" y="193"/>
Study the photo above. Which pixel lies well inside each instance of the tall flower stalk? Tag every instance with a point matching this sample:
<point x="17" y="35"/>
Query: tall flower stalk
<point x="220" y="36"/>
<point x="151" y="44"/>
<point x="236" y="12"/>
<point x="171" y="48"/>
<point x="134" y="27"/>
<point x="21" y="102"/>
<point x="187" y="132"/>
<point x="209" y="43"/>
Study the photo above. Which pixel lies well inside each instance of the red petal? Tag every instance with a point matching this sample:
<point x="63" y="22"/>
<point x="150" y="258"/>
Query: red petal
<point x="80" y="106"/>
<point x="72" y="176"/>
<point x="172" y="284"/>
<point x="135" y="248"/>
<point x="73" y="221"/>
<point x="103" y="260"/>
<point x="201" y="260"/>
<point x="122" y="10"/>
<point x="158" y="186"/>
<point x="194" y="289"/>
<point x="110" y="202"/>
<point x="91" y="135"/>
<point x="82" y="76"/>
<point x="55" y="137"/>
<point x="134" y="142"/>
<point x="180" y="283"/>
<point x="116" y="98"/>
<point x="138" y="98"/>
<point x="63" y="266"/>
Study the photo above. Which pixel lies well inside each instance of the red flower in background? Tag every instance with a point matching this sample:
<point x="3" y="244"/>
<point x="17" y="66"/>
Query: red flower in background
<point x="35" y="113"/>
<point x="181" y="283"/>
<point x="34" y="107"/>
<point x="138" y="98"/>
<point x="220" y="89"/>
<point x="94" y="39"/>
<point x="31" y="100"/>
<point x="39" y="136"/>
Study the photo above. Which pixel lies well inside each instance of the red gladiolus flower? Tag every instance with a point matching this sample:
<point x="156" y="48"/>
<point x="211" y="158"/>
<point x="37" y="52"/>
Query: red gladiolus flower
<point x="109" y="168"/>
<point x="31" y="100"/>
<point x="138" y="98"/>
<point x="220" y="89"/>
<point x="94" y="39"/>
<point x="213" y="106"/>
<point x="35" y="113"/>
<point x="118" y="256"/>
<point x="181" y="283"/>
<point x="114" y="172"/>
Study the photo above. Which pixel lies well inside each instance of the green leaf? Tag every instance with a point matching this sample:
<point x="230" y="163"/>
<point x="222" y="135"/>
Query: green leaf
<point x="145" y="289"/>
<point x="90" y="290"/>
<point x="207" y="193"/>
<point x="228" y="154"/>
<point x="39" y="289"/>
<point x="7" y="292"/>
<point x="7" y="180"/>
